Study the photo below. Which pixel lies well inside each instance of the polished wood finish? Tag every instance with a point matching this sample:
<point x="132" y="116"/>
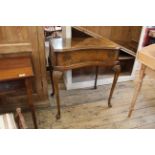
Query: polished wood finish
<point x="147" y="57"/>
<point x="7" y="48"/>
<point x="79" y="52"/>
<point x="66" y="45"/>
<point x="25" y="40"/>
<point x="66" y="54"/>
<point x="15" y="68"/>
<point x="19" y="68"/>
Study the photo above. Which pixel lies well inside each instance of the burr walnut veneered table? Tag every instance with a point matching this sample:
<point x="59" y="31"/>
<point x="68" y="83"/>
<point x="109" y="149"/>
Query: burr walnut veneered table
<point x="68" y="54"/>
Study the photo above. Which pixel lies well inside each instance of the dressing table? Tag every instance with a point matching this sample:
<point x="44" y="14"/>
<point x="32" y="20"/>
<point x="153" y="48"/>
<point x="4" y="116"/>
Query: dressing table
<point x="68" y="54"/>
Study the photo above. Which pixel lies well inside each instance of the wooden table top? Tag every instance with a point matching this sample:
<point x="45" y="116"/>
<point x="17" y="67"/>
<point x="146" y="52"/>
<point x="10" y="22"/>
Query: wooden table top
<point x="15" y="68"/>
<point x="64" y="45"/>
<point x="147" y="56"/>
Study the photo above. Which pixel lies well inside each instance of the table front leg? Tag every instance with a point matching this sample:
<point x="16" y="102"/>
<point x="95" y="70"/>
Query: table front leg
<point x="56" y="77"/>
<point x="28" y="84"/>
<point x="117" y="70"/>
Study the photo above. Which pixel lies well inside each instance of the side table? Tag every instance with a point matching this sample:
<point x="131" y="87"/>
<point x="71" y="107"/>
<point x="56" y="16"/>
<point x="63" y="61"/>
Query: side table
<point x="17" y="69"/>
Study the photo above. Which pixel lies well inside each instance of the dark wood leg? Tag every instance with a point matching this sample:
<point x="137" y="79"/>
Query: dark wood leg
<point x="52" y="82"/>
<point x="51" y="75"/>
<point x="96" y="77"/>
<point x="137" y="89"/>
<point x="56" y="77"/>
<point x="28" y="84"/>
<point x="117" y="70"/>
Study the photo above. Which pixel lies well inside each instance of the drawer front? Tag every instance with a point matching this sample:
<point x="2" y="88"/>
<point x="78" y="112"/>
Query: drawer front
<point x="83" y="56"/>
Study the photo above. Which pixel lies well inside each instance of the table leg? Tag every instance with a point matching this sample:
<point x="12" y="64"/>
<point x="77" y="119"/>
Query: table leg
<point x="117" y="70"/>
<point x="56" y="77"/>
<point x="51" y="75"/>
<point x="28" y="84"/>
<point x="137" y="89"/>
<point x="96" y="77"/>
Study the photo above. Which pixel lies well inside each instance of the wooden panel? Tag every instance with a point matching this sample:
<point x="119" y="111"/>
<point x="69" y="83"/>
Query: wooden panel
<point x="18" y="62"/>
<point x="42" y="60"/>
<point x="36" y="62"/>
<point x="127" y="36"/>
<point x="120" y="33"/>
<point x="15" y="47"/>
<point x="14" y="34"/>
<point x="135" y="33"/>
<point x="102" y="30"/>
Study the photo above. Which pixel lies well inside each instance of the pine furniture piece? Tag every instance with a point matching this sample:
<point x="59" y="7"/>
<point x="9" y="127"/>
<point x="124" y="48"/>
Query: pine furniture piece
<point x="147" y="58"/>
<point x="20" y="70"/>
<point x="66" y="54"/>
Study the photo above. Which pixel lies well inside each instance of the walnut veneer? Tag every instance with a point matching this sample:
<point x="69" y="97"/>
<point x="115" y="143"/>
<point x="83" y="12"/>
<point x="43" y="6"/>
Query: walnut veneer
<point x="67" y="54"/>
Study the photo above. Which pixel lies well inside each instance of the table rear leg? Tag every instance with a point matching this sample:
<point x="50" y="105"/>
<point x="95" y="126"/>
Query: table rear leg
<point x="51" y="75"/>
<point x="96" y="77"/>
<point x="117" y="70"/>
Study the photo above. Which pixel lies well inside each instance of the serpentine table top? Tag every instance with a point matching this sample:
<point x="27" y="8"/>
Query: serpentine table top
<point x="63" y="45"/>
